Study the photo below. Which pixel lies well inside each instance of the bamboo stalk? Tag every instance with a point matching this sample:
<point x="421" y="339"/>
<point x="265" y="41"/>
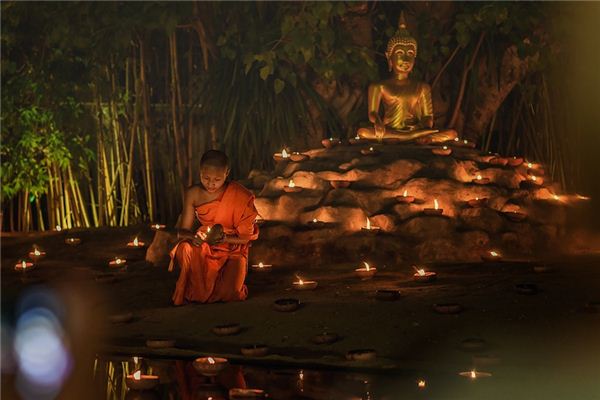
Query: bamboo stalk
<point x="148" y="176"/>
<point x="176" y="134"/>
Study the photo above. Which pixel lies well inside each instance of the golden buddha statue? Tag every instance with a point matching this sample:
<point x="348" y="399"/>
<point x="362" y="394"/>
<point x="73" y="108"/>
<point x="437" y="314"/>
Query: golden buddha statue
<point x="408" y="109"/>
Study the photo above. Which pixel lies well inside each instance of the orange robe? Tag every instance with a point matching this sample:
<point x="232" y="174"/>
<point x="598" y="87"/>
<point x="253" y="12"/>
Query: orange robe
<point x="216" y="273"/>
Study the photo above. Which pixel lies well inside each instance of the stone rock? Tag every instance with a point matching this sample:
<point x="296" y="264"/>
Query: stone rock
<point x="439" y="250"/>
<point x="370" y="200"/>
<point x="286" y="207"/>
<point x="484" y="219"/>
<point x="162" y="243"/>
<point x="424" y="227"/>
<point x="270" y="232"/>
<point x="385" y="221"/>
<point x="348" y="218"/>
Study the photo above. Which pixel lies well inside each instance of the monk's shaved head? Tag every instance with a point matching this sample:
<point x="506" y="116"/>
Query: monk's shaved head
<point x="214" y="158"/>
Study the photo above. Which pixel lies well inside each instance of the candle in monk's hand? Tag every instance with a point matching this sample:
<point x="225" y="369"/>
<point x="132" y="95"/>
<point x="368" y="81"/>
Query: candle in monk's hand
<point x="366" y="272"/>
<point x="301" y="284"/>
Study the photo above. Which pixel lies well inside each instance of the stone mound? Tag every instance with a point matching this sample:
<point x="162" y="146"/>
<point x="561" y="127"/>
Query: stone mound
<point x="342" y="186"/>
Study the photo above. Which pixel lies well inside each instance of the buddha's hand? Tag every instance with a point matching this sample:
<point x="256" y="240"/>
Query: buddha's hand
<point x="379" y="129"/>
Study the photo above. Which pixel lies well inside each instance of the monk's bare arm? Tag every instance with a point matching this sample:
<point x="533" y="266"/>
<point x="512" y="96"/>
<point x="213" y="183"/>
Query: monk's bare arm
<point x="187" y="215"/>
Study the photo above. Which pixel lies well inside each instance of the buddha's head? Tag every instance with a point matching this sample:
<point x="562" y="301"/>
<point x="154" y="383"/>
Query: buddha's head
<point x="401" y="49"/>
<point x="214" y="169"/>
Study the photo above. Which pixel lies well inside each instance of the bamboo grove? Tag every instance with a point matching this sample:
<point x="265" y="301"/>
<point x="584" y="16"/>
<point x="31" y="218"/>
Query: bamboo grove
<point x="107" y="107"/>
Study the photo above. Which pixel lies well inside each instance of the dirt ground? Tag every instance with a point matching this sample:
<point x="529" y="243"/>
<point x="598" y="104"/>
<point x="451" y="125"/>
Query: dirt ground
<point x="546" y="344"/>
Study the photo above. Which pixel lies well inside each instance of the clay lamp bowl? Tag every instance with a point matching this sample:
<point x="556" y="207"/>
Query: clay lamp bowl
<point x="117" y="262"/>
<point x="255" y="350"/>
<point x="387" y="294"/>
<point x="283" y="156"/>
<point x="340" y="184"/>
<point x="366" y="272"/>
<point x="286" y="305"/>
<point x="447" y="308"/>
<point x="315" y="223"/>
<point x="442" y="151"/>
<point x="475" y="374"/>
<point x="491" y="256"/>
<point x="291" y="187"/>
<point x="526" y="288"/>
<point x="36" y="254"/>
<point x="368" y="228"/>
<point x="435" y="210"/>
<point x="325" y="338"/>
<point x="105" y="278"/>
<point x="210" y="366"/>
<point x="357" y="140"/>
<point x="515" y="161"/>
<point x="501" y="161"/>
<point x="137" y="381"/>
<point x="23" y="266"/>
<point x="479" y="180"/>
<point x="405" y="198"/>
<point x="136" y="244"/>
<point x="245" y="393"/>
<point x="304" y="285"/>
<point x="473" y="344"/>
<point x="331" y="142"/>
<point x="122" y="318"/>
<point x="593" y="306"/>
<point x="157" y="227"/>
<point x="298" y="157"/>
<point x="160" y="343"/>
<point x="515" y="216"/>
<point x="73" y="241"/>
<point x="477" y="202"/>
<point x="260" y="267"/>
<point x="361" y="355"/>
<point x="424" y="276"/>
<point x="369" y="152"/>
<point x="226" y="329"/>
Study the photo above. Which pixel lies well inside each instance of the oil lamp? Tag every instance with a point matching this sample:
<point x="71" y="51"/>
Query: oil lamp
<point x="423" y="276"/>
<point x="370" y="228"/>
<point x="36" y="254"/>
<point x="366" y="272"/>
<point x="210" y="366"/>
<point x="261" y="267"/>
<point x="137" y="381"/>
<point x="283" y="156"/>
<point x="442" y="151"/>
<point x="405" y="198"/>
<point x="436" y="210"/>
<point x="291" y="187"/>
<point x="301" y="284"/>
<point x="157" y="227"/>
<point x="135" y="243"/>
<point x="117" y="262"/>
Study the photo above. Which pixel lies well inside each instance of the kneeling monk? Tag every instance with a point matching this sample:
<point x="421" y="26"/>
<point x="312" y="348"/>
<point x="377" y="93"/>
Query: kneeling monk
<point x="214" y="268"/>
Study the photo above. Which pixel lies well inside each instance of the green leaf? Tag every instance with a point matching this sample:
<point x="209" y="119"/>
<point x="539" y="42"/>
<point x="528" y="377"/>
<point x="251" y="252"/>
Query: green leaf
<point x="278" y="85"/>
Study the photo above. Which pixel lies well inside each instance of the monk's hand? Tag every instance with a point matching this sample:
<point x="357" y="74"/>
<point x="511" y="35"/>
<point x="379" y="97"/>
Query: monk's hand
<point x="197" y="240"/>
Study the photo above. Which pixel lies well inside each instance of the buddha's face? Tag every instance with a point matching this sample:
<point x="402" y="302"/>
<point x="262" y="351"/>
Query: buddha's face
<point x="212" y="177"/>
<point x="402" y="59"/>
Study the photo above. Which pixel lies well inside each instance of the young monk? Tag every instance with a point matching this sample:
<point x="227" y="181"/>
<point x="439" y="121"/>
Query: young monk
<point x="214" y="268"/>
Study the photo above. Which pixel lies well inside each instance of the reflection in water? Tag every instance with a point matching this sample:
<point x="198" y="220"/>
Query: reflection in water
<point x="179" y="380"/>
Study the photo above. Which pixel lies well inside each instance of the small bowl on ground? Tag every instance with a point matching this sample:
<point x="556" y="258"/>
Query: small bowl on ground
<point x="325" y="338"/>
<point x="361" y="355"/>
<point x="286" y="305"/>
<point x="428" y="276"/>
<point x="255" y="350"/>
<point x="447" y="308"/>
<point x="405" y="199"/>
<point x="210" y="366"/>
<point x="160" y="343"/>
<point x="226" y="329"/>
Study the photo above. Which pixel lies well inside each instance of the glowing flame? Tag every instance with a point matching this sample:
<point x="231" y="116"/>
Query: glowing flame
<point x="555" y="196"/>
<point x="261" y="265"/>
<point x="357" y="137"/>
<point x="118" y="261"/>
<point x="368" y="224"/>
<point x="300" y="281"/>
<point x="405" y="193"/>
<point x="581" y="197"/>
<point x="211" y="360"/>
<point x="331" y="139"/>
<point x="473" y="374"/>
<point x="314" y="220"/>
<point x="157" y="226"/>
<point x="284" y="154"/>
<point x="371" y="149"/>
<point x="465" y="141"/>
<point x="445" y="147"/>
<point x="136" y="242"/>
<point x="421" y="272"/>
<point x="135" y="360"/>
<point x="208" y="229"/>
<point x="479" y="177"/>
<point x="291" y="183"/>
<point x="421" y="383"/>
<point x="493" y="254"/>
<point x="23" y="265"/>
<point x="529" y="165"/>
<point x="58" y="228"/>
<point x="36" y="252"/>
<point x="476" y="198"/>
<point x="137" y="375"/>
<point x="533" y="178"/>
<point x="367" y="266"/>
<point x="456" y="139"/>
<point x="435" y="204"/>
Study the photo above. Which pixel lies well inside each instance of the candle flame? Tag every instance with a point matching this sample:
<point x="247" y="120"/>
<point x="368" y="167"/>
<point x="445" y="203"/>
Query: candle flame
<point x="371" y="149"/>
<point x="157" y="226"/>
<point x="284" y="154"/>
<point x="23" y="265"/>
<point x="136" y="242"/>
<point x="456" y="139"/>
<point x="291" y="183"/>
<point x="331" y="139"/>
<point x="445" y="147"/>
<point x="300" y="281"/>
<point x="137" y="375"/>
<point x="476" y="198"/>
<point x="421" y="383"/>
<point x="357" y="137"/>
<point x="58" y="228"/>
<point x="421" y="272"/>
<point x="118" y="261"/>
<point x="211" y="360"/>
<point x="533" y="178"/>
<point x="36" y="252"/>
<point x="435" y="204"/>
<point x="494" y="254"/>
<point x="473" y="374"/>
<point x="405" y="193"/>
<point x="314" y="220"/>
<point x="261" y="265"/>
<point x="465" y="141"/>
<point x="368" y="223"/>
<point x="556" y="197"/>
<point x="367" y="266"/>
<point x="529" y="165"/>
<point x="479" y="177"/>
<point x="135" y="360"/>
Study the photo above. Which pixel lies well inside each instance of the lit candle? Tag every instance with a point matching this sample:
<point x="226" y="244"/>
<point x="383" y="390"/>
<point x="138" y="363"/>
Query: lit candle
<point x="135" y="243"/>
<point x="261" y="267"/>
<point x="58" y="228"/>
<point x="423" y="276"/>
<point x="370" y="228"/>
<point x="301" y="284"/>
<point x="366" y="272"/>
<point x="475" y="374"/>
<point x="117" y="262"/>
<point x="281" y="156"/>
<point x="421" y="384"/>
<point x="157" y="227"/>
<point x="137" y="381"/>
<point x="210" y="366"/>
<point x="441" y="151"/>
<point x="72" y="241"/>
<point x="23" y="266"/>
<point x="405" y="198"/>
<point x="284" y="154"/>
<point x="291" y="187"/>
<point x="436" y="210"/>
<point x="36" y="254"/>
<point x="491" y="255"/>
<point x="314" y="220"/>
